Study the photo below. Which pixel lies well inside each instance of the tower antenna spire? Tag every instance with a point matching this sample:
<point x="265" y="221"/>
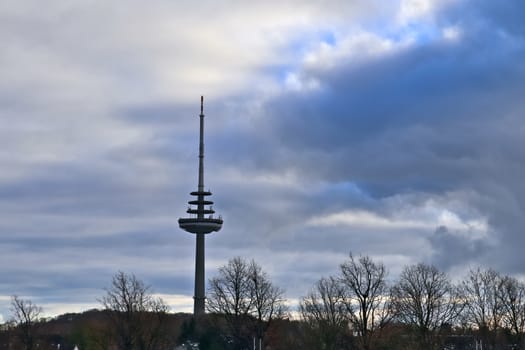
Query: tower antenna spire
<point x="200" y="225"/>
<point x="201" y="147"/>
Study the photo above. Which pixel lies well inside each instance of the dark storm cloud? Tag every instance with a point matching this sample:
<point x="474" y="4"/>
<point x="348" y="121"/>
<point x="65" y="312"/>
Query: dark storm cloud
<point x="419" y="105"/>
<point x="453" y="249"/>
<point x="492" y="16"/>
<point x="435" y="118"/>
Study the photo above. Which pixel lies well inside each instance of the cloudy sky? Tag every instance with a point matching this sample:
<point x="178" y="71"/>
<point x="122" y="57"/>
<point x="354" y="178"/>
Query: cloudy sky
<point x="387" y="128"/>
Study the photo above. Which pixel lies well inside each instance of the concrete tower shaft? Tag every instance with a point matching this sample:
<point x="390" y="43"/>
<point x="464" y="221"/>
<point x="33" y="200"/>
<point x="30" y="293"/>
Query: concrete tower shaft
<point x="200" y="225"/>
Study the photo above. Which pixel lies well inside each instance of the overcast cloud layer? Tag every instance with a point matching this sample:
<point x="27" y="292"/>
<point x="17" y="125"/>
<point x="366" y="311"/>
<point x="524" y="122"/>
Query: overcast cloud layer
<point x="393" y="130"/>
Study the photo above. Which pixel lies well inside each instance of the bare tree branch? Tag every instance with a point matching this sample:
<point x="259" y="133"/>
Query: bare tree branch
<point x="325" y="313"/>
<point x="25" y="316"/>
<point x="424" y="298"/>
<point x="138" y="318"/>
<point x="245" y="295"/>
<point x="365" y="295"/>
<point x="511" y="295"/>
<point x="484" y="310"/>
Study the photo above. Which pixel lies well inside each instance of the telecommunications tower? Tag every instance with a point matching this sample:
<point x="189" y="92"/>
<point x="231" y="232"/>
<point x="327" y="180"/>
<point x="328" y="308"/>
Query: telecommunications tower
<point x="200" y="222"/>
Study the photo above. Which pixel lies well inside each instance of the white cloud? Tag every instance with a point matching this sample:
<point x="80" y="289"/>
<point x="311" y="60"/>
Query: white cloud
<point x="56" y="309"/>
<point x="452" y="33"/>
<point x="427" y="217"/>
<point x="177" y="303"/>
<point x="294" y="82"/>
<point x="353" y="48"/>
<point x="417" y="10"/>
<point x="361" y="218"/>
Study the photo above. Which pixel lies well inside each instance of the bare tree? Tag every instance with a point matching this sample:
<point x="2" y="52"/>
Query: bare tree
<point x="136" y="315"/>
<point x="25" y="315"/>
<point x="365" y="296"/>
<point x="424" y="298"/>
<point x="267" y="299"/>
<point x="511" y="295"/>
<point x="229" y="294"/>
<point x="325" y="314"/>
<point x="243" y="293"/>
<point x="484" y="310"/>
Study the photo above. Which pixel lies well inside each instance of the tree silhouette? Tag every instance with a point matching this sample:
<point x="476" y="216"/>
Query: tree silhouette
<point x="137" y="317"/>
<point x="25" y="315"/>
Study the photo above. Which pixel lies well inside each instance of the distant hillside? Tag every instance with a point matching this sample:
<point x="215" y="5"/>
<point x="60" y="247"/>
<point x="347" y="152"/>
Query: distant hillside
<point x="87" y="330"/>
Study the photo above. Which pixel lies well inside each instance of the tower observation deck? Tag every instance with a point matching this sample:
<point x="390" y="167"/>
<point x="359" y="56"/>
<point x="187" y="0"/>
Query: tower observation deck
<point x="200" y="223"/>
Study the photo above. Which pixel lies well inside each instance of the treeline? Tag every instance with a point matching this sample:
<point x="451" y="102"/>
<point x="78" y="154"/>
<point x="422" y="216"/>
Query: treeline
<point x="361" y="308"/>
<point x="358" y="308"/>
<point x="422" y="309"/>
